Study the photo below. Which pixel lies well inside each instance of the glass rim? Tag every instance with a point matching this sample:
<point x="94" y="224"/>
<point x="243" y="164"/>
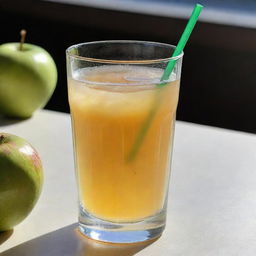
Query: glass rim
<point x="98" y="60"/>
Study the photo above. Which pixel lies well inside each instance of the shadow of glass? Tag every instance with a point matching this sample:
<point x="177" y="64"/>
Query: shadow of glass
<point x="68" y="241"/>
<point x="5" y="235"/>
<point x="4" y="121"/>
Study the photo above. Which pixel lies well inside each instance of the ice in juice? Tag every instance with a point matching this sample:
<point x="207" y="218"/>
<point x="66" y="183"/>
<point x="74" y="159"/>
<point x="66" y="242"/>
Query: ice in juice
<point x="108" y="106"/>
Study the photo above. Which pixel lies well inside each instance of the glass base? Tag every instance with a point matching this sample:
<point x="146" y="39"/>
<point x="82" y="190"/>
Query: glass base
<point x="130" y="232"/>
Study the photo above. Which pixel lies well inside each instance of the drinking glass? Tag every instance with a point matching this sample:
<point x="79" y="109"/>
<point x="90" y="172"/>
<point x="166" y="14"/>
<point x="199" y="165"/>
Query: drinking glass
<point x="123" y="119"/>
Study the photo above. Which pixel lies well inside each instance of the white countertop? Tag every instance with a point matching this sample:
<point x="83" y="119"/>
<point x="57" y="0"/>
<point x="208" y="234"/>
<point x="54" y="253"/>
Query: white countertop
<point x="212" y="202"/>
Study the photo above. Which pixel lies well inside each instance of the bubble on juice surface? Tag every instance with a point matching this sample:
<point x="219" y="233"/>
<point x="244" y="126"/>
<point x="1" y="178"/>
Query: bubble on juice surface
<point x="121" y="75"/>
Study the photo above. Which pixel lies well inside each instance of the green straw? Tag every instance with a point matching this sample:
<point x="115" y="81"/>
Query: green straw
<point x="183" y="40"/>
<point x="167" y="72"/>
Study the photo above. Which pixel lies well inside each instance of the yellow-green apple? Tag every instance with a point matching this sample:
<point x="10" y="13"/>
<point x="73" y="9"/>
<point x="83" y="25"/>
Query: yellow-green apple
<point x="21" y="179"/>
<point x="28" y="77"/>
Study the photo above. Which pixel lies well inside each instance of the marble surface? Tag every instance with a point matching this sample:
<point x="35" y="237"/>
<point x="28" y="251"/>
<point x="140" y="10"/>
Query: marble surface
<point x="212" y="196"/>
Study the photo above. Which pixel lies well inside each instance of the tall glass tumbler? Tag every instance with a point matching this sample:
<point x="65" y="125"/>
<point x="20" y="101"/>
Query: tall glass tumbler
<point x="123" y="122"/>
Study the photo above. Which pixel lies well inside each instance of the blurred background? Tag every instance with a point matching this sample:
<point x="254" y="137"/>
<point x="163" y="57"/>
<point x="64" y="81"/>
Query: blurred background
<point x="218" y="86"/>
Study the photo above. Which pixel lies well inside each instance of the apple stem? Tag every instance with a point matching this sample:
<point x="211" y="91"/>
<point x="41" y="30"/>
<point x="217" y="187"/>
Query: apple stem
<point x="23" y="33"/>
<point x="1" y="138"/>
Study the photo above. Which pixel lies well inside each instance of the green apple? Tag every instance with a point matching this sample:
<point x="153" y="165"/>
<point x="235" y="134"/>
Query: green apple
<point x="21" y="179"/>
<point x="28" y="77"/>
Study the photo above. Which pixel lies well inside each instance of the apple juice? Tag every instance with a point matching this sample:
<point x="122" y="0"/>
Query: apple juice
<point x="109" y="105"/>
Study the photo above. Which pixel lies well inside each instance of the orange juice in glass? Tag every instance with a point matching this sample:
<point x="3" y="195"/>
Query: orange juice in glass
<point x="123" y="123"/>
